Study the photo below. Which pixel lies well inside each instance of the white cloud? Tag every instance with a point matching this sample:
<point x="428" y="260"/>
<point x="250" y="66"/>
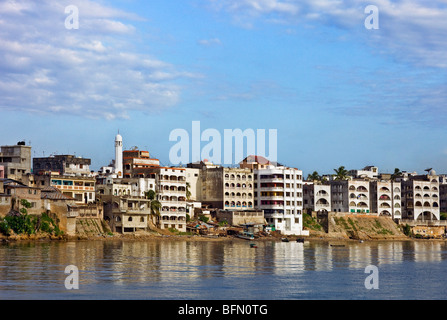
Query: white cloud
<point x="411" y="30"/>
<point x="91" y="71"/>
<point x="209" y="42"/>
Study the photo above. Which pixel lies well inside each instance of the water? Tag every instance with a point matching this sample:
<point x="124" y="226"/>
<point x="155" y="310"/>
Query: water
<point x="211" y="270"/>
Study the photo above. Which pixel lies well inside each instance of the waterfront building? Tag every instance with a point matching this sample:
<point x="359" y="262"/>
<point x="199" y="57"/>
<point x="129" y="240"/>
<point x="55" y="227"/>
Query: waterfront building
<point x="16" y="160"/>
<point x="171" y="193"/>
<point x="386" y="198"/>
<point x="350" y="196"/>
<point x="126" y="214"/>
<point x="227" y="188"/>
<point x="279" y="193"/>
<point x="420" y="197"/>
<point x="316" y="196"/>
<point x="2" y="172"/>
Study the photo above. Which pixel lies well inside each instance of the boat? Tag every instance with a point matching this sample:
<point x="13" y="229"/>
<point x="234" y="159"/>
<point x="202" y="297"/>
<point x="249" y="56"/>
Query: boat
<point x="252" y="245"/>
<point x="299" y="240"/>
<point x="245" y="235"/>
<point x="337" y="245"/>
<point x="284" y="239"/>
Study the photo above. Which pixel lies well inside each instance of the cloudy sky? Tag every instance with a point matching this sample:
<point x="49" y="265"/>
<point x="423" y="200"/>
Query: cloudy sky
<point x="337" y="92"/>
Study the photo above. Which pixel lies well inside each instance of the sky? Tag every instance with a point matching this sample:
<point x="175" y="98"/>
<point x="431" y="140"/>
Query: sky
<point x="338" y="93"/>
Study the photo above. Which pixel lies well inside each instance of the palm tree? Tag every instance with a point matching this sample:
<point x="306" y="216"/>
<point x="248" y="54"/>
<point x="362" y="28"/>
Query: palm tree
<point x="341" y="173"/>
<point x="397" y="173"/>
<point x="155" y="204"/>
<point x="188" y="193"/>
<point x="314" y="176"/>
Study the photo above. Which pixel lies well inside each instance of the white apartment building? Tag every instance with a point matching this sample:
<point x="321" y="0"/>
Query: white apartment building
<point x="279" y="193"/>
<point x="350" y="196"/>
<point x="420" y="197"/>
<point x="386" y="198"/>
<point x="171" y="192"/>
<point x="317" y="197"/>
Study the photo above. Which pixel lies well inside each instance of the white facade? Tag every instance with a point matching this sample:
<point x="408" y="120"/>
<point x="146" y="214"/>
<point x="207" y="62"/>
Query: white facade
<point x="171" y="191"/>
<point x="194" y="180"/>
<point x="386" y="198"/>
<point x="279" y="192"/>
<point x="420" y="197"/>
<point x="350" y="196"/>
<point x="317" y="197"/>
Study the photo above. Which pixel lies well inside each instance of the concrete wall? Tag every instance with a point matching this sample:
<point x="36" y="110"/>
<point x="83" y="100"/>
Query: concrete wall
<point x="240" y="217"/>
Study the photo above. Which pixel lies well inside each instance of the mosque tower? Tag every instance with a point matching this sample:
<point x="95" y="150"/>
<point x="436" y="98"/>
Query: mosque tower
<point x="119" y="155"/>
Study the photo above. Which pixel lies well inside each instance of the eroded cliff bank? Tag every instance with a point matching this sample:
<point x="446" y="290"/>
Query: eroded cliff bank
<point x="358" y="227"/>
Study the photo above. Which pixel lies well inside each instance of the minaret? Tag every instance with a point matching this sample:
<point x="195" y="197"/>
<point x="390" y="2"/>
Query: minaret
<point x="119" y="155"/>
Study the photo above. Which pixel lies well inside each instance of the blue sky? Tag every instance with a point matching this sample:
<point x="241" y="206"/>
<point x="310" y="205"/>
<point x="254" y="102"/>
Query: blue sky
<point x="338" y="93"/>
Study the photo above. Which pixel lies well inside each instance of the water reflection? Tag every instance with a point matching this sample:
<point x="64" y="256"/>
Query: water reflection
<point x="182" y="265"/>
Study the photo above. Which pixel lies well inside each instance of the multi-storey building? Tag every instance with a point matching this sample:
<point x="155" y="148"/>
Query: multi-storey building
<point x="350" y="196"/>
<point x="279" y="193"/>
<point x="81" y="188"/>
<point x="317" y="197"/>
<point x="227" y="188"/>
<point x="420" y="197"/>
<point x="126" y="214"/>
<point x="138" y="164"/>
<point x="171" y="193"/>
<point x="16" y="160"/>
<point x="386" y="198"/>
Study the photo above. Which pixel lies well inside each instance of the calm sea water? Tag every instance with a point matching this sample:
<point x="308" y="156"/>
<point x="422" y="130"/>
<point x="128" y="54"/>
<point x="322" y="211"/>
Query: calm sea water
<point x="211" y="270"/>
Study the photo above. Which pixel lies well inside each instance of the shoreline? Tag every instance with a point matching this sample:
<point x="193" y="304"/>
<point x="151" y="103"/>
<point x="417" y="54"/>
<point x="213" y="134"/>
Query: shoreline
<point x="192" y="238"/>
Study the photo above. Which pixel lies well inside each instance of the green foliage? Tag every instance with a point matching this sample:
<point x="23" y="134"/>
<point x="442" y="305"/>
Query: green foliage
<point x="311" y="223"/>
<point x="407" y="230"/>
<point x="352" y="223"/>
<point x="29" y="224"/>
<point x="341" y="173"/>
<point x="203" y="218"/>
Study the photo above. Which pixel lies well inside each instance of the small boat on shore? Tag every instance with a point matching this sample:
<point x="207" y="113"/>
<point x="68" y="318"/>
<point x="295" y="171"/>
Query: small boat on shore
<point x="337" y="245"/>
<point x="246" y="236"/>
<point x="284" y="239"/>
<point x="300" y="240"/>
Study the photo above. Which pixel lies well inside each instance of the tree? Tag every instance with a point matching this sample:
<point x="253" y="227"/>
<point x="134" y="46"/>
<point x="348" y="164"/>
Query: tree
<point x="341" y="173"/>
<point x="155" y="204"/>
<point x="397" y="174"/>
<point x="314" y="176"/>
<point x="188" y="193"/>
